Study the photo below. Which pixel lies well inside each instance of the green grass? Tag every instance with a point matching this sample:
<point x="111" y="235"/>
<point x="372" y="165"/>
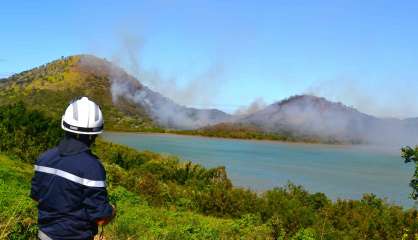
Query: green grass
<point x="17" y="210"/>
<point x="136" y="219"/>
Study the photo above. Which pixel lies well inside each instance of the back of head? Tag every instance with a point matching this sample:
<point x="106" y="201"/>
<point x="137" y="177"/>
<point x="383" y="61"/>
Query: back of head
<point x="83" y="116"/>
<point x="82" y="120"/>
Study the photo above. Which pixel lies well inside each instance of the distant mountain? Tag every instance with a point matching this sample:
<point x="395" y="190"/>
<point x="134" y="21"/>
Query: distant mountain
<point x="307" y="115"/>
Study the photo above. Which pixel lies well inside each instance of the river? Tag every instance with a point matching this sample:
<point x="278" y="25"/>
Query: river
<point x="338" y="171"/>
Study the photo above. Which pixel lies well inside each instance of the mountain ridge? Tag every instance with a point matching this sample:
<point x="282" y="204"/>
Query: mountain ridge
<point x="132" y="106"/>
<point x="307" y="115"/>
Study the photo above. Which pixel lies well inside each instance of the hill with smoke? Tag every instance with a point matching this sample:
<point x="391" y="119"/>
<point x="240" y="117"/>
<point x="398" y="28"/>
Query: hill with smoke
<point x="131" y="106"/>
<point x="315" y="116"/>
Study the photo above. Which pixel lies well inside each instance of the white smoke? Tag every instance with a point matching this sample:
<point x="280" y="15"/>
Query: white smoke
<point x="305" y="118"/>
<point x="202" y="89"/>
<point x="313" y="117"/>
<point x="255" y="106"/>
<point x="388" y="99"/>
<point x="162" y="109"/>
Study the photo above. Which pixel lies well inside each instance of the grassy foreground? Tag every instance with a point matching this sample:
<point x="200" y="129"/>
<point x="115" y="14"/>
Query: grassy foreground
<point x="135" y="220"/>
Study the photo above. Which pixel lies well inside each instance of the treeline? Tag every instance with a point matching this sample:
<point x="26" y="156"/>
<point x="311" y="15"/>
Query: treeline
<point x="25" y="134"/>
<point x="289" y="212"/>
<point x="251" y="132"/>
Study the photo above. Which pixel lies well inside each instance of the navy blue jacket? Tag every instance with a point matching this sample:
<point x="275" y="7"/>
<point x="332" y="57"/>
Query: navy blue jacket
<point x="69" y="185"/>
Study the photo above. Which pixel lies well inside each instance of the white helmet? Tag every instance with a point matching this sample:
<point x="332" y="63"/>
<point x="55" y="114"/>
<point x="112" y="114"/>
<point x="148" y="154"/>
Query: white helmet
<point x="83" y="116"/>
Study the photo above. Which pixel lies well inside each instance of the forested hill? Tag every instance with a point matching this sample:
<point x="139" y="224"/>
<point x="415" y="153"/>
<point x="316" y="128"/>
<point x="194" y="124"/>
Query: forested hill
<point x="129" y="105"/>
<point x="50" y="87"/>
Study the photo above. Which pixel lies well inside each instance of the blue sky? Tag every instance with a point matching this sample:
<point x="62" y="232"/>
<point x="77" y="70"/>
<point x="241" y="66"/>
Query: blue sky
<point x="362" y="53"/>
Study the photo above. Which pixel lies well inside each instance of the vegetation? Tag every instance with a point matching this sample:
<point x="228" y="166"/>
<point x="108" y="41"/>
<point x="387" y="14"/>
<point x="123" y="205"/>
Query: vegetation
<point x="249" y="131"/>
<point x="49" y="88"/>
<point x="17" y="210"/>
<point x="136" y="218"/>
<point x="234" y="130"/>
<point x="25" y="134"/>
<point x="161" y="197"/>
<point x="411" y="155"/>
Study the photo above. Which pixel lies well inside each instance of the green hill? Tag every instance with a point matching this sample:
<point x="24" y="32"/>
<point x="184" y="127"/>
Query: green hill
<point x="50" y="87"/>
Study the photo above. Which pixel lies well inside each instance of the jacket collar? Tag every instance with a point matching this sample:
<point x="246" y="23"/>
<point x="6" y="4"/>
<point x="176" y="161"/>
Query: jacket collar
<point x="71" y="146"/>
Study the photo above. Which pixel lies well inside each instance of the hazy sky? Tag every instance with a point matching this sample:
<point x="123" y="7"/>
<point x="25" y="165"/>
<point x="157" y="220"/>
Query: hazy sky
<point x="363" y="53"/>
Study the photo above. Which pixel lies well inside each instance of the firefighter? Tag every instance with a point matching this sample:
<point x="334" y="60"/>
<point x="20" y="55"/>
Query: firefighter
<point x="69" y="183"/>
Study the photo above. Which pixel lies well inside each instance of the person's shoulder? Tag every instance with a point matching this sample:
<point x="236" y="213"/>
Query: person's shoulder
<point x="92" y="159"/>
<point x="93" y="165"/>
<point x="45" y="156"/>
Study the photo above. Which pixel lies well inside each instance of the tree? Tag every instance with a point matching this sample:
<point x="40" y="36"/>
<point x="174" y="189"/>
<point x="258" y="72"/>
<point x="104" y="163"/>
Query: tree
<point x="411" y="155"/>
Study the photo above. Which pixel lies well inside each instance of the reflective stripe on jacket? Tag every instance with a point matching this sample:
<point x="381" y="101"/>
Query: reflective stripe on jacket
<point x="69" y="185"/>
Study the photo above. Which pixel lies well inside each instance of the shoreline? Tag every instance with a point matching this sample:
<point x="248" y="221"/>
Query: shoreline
<point x="392" y="150"/>
<point x="238" y="139"/>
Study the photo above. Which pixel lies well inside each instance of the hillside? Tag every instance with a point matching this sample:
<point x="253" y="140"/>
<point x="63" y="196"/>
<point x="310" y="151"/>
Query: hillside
<point x="131" y="106"/>
<point x="240" y="130"/>
<point x="128" y="104"/>
<point x="50" y="87"/>
<point x="312" y="117"/>
<point x="18" y="211"/>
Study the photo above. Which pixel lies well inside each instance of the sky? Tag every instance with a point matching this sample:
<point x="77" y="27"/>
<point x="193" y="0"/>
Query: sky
<point x="232" y="53"/>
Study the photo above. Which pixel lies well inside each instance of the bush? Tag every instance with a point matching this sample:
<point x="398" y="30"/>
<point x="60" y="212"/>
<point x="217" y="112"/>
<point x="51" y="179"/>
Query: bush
<point x="25" y="133"/>
<point x="411" y="155"/>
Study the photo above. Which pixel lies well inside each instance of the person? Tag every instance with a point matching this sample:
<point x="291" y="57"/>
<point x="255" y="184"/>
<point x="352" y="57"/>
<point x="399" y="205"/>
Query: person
<point x="69" y="181"/>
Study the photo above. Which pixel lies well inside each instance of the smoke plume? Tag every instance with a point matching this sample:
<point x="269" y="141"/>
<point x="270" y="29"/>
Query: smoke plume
<point x="395" y="99"/>
<point x="164" y="108"/>
<point x="304" y="116"/>
<point x="257" y="105"/>
<point x="202" y="89"/>
<point x="310" y="117"/>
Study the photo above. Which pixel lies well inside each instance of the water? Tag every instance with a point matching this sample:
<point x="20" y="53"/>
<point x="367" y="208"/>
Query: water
<point x="338" y="171"/>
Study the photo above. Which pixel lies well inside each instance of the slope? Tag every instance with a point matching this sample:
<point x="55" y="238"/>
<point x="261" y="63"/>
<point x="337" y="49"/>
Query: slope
<point x="18" y="211"/>
<point x="314" y="117"/>
<point x="128" y="104"/>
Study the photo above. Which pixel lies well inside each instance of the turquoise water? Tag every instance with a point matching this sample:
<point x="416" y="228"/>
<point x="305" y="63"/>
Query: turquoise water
<point x="338" y="171"/>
